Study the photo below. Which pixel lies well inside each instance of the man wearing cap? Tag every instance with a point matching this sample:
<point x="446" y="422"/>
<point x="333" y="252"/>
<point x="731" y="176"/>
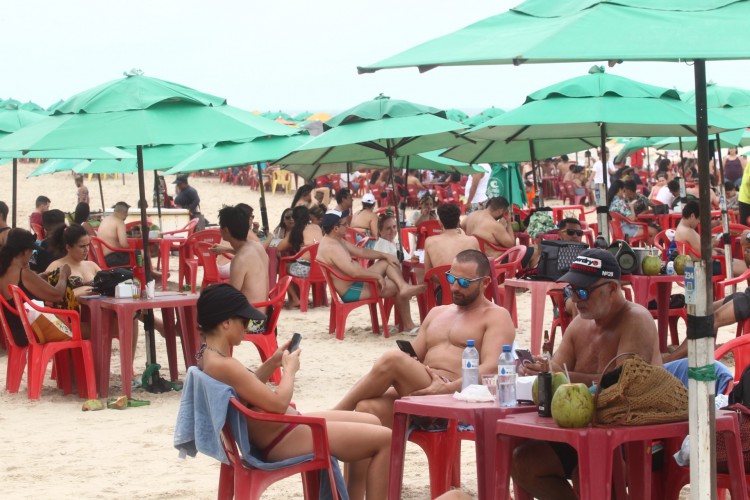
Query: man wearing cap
<point x="366" y="220"/>
<point x="336" y="252"/>
<point x="187" y="196"/>
<point x="112" y="232"/>
<point x="492" y="225"/>
<point x="607" y="325"/>
<point x="248" y="270"/>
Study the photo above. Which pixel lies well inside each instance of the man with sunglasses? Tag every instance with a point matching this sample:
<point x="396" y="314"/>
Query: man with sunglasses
<point x="442" y="338"/>
<point x="492" y="224"/>
<point x="336" y="252"/>
<point x="570" y="229"/>
<point x="607" y="325"/>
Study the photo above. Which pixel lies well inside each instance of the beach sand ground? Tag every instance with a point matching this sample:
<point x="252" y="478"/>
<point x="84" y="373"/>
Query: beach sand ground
<point x="52" y="449"/>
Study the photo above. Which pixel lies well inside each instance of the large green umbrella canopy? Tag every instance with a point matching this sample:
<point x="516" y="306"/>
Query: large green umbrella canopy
<point x="539" y="31"/>
<point x="732" y="102"/>
<point x="138" y="111"/>
<point x="483" y="116"/>
<point x="456" y="115"/>
<point x="507" y="181"/>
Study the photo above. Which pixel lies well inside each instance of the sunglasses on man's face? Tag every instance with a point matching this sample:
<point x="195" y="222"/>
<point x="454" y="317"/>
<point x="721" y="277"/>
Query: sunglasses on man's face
<point x="583" y="294"/>
<point x="462" y="282"/>
<point x="576" y="232"/>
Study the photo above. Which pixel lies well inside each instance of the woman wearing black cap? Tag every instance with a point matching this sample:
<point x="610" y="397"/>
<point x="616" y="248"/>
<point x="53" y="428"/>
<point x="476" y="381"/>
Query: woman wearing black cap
<point x="356" y="438"/>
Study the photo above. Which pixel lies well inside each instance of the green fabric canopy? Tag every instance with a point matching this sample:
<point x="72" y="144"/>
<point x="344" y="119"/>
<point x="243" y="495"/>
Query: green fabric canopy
<point x="483" y="116"/>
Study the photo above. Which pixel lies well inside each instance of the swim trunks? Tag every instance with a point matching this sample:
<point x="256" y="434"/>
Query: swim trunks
<point x="117" y="259"/>
<point x="354" y="291"/>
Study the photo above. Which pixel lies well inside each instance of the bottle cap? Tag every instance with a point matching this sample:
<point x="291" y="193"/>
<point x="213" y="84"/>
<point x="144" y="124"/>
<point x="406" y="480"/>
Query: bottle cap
<point x="469" y="343"/>
<point x="506" y="348"/>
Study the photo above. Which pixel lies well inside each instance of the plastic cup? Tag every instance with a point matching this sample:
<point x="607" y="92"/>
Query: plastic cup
<point x="491" y="382"/>
<point x="136" y="290"/>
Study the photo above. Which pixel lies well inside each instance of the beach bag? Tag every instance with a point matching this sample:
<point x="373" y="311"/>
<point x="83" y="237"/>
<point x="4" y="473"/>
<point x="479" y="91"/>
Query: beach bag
<point x="556" y="257"/>
<point x="637" y="393"/>
<point x="105" y="282"/>
<point x="46" y="326"/>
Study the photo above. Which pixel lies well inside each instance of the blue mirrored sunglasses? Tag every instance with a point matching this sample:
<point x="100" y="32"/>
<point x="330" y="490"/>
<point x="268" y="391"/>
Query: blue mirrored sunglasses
<point x="462" y="282"/>
<point x="583" y="293"/>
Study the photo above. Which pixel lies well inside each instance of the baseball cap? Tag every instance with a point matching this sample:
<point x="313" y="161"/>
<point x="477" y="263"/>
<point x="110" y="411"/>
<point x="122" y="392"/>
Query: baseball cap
<point x="180" y="178"/>
<point x="590" y="266"/>
<point x="222" y="301"/>
<point x="330" y="219"/>
<point x="368" y="198"/>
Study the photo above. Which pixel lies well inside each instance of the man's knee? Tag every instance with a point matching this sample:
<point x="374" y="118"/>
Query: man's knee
<point x="389" y="361"/>
<point x="532" y="459"/>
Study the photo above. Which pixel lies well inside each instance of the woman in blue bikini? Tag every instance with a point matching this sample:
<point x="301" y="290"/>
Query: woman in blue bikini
<point x="355" y="438"/>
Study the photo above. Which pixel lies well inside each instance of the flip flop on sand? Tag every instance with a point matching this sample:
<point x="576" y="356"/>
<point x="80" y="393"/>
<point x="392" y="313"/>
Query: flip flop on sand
<point x="413" y="332"/>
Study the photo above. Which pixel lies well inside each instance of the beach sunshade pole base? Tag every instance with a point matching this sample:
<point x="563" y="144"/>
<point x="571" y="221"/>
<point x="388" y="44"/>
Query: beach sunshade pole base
<point x="700" y="325"/>
<point x="263" y="211"/>
<point x="149" y="315"/>
<point x="15" y="191"/>
<point x="537" y="186"/>
<point x="724" y="216"/>
<point x="101" y="190"/>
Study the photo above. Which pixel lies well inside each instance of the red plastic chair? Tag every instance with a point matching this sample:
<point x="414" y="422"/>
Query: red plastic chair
<point x="188" y="263"/>
<point x="238" y="480"/>
<point x="340" y="309"/>
<point x="484" y="244"/>
<point x="185" y="232"/>
<point x="16" y="353"/>
<point x="443" y="451"/>
<point x="412" y="199"/>
<point x="382" y="200"/>
<point x="439" y="273"/>
<point x="41" y="354"/>
<point x="266" y="342"/>
<point x="97" y="251"/>
<point x="426" y="229"/>
<point x="315" y="280"/>
<point x="505" y="265"/>
<point x="617" y="234"/>
<point x="568" y="192"/>
<point x="207" y="260"/>
<point x="735" y="231"/>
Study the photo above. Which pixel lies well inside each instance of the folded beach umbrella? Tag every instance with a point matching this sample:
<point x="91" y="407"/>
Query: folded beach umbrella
<point x="540" y="31"/>
<point x="380" y="129"/>
<point x="138" y="111"/>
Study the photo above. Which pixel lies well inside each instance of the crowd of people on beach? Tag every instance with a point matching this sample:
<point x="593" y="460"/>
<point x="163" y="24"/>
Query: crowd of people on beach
<point x="363" y="243"/>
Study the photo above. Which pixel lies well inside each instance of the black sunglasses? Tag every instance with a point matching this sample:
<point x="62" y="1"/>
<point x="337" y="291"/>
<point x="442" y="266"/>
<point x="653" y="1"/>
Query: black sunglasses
<point x="583" y="294"/>
<point x="577" y="232"/>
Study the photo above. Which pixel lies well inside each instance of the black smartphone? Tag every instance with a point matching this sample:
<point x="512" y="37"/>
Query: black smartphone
<point x="523" y="355"/>
<point x="406" y="347"/>
<point x="294" y="344"/>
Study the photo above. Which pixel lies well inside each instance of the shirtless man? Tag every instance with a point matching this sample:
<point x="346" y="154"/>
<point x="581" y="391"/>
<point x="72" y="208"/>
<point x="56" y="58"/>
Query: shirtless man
<point x="606" y="325"/>
<point x="441" y="339"/>
<point x="336" y="252"/>
<point x="441" y="249"/>
<point x="686" y="233"/>
<point x="248" y="271"/>
<point x="112" y="232"/>
<point x="491" y="224"/>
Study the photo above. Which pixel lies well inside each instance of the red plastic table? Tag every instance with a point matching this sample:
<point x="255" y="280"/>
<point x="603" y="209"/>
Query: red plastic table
<point x="165" y="246"/>
<point x="482" y="416"/>
<point x="104" y="308"/>
<point x="596" y="445"/>
<point x="559" y="210"/>
<point x="539" y="291"/>
<point x="641" y="285"/>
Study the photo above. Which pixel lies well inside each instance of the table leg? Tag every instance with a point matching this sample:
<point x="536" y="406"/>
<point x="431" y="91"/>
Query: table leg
<point x="125" y="334"/>
<point x="538" y="303"/>
<point x="639" y="464"/>
<point x="484" y="429"/>
<point x="503" y="457"/>
<point x="594" y="469"/>
<point x="189" y="333"/>
<point x="510" y="298"/>
<point x="662" y="300"/>
<point x="164" y="248"/>
<point x="100" y="341"/>
<point x="398" y="450"/>
<point x="170" y="336"/>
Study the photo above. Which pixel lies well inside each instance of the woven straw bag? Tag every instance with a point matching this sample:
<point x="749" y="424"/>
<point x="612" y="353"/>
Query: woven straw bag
<point x="644" y="394"/>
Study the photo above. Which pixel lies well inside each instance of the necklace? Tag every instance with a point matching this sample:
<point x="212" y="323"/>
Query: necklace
<point x="216" y="351"/>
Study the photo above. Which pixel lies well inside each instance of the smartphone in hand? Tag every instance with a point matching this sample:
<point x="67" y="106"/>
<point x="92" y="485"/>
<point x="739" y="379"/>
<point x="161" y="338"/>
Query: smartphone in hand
<point x="524" y="355"/>
<point x="294" y="344"/>
<point x="406" y="347"/>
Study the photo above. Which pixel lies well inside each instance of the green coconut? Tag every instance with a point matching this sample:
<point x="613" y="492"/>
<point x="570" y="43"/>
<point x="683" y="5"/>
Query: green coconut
<point x="573" y="405"/>
<point x="651" y="265"/>
<point x="680" y="263"/>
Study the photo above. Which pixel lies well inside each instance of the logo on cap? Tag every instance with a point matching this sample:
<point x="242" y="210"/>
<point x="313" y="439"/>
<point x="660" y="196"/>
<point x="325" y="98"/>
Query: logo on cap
<point x="583" y="263"/>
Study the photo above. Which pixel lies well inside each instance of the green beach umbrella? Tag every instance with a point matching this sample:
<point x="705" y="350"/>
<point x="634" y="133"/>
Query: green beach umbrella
<point x="380" y="129"/>
<point x="275" y="115"/>
<point x="300" y="117"/>
<point x="539" y="31"/>
<point x="456" y="115"/>
<point x="483" y="116"/>
<point x="138" y="111"/>
<point x="54" y="166"/>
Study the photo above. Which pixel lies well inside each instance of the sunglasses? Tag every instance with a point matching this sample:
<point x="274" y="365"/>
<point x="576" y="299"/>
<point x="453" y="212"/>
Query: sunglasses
<point x="462" y="282"/>
<point x="577" y="232"/>
<point x="245" y="321"/>
<point x="583" y="294"/>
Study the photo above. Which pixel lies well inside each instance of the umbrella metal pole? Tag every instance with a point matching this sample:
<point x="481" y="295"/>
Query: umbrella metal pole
<point x="602" y="206"/>
<point x="726" y="237"/>
<point x="682" y="157"/>
<point x="149" y="315"/>
<point x="263" y="211"/>
<point x="101" y="190"/>
<point x="399" y="252"/>
<point x="157" y="189"/>
<point x="349" y="176"/>
<point x="700" y="324"/>
<point x="15" y="191"/>
<point x="539" y="194"/>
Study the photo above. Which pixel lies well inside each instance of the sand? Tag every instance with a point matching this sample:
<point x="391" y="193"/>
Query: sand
<point x="52" y="449"/>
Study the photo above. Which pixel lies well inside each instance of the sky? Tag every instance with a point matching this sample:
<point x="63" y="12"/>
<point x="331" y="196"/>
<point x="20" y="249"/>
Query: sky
<point x="289" y="55"/>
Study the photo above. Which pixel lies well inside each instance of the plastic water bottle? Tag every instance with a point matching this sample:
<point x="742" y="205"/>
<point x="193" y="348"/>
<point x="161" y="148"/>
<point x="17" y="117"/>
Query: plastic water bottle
<point x="506" y="378"/>
<point x="670" y="268"/>
<point x="672" y="250"/>
<point x="470" y="365"/>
